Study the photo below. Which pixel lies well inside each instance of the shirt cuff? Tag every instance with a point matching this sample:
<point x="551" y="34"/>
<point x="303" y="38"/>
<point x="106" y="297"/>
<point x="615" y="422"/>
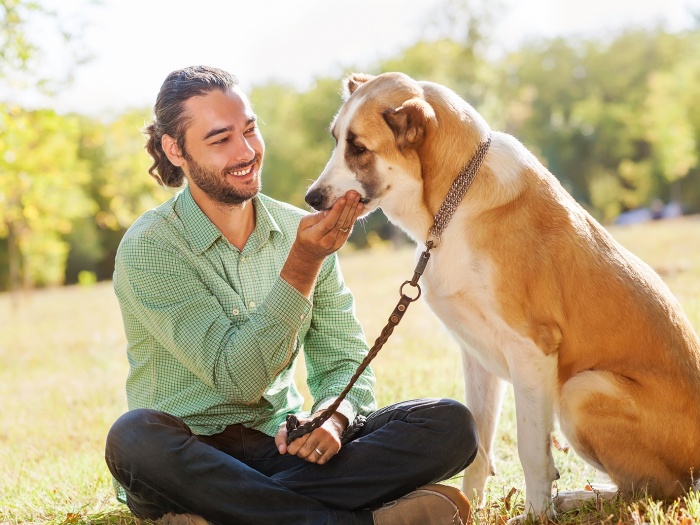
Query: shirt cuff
<point x="287" y="303"/>
<point x="345" y="408"/>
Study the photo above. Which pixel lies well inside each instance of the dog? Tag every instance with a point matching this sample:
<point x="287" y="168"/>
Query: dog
<point x="534" y="290"/>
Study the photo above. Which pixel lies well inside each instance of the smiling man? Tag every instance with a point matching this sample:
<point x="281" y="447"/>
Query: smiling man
<point x="220" y="289"/>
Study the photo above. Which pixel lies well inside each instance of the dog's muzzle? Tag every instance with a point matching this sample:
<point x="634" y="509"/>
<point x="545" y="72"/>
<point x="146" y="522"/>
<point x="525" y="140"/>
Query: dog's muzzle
<point x="316" y="199"/>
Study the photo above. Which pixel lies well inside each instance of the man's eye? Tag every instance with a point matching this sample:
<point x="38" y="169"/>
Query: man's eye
<point x="251" y="129"/>
<point x="221" y="141"/>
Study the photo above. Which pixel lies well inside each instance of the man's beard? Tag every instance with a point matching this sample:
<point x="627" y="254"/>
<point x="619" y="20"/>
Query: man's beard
<point x="213" y="182"/>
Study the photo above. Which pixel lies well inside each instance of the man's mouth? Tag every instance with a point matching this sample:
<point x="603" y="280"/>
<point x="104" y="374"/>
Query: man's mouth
<point x="240" y="173"/>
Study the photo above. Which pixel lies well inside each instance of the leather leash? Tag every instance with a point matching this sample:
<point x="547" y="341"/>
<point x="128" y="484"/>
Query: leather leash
<point x="447" y="209"/>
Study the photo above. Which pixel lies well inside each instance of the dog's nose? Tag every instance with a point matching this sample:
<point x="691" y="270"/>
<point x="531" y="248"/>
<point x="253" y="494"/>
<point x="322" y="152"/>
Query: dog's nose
<point x="314" y="199"/>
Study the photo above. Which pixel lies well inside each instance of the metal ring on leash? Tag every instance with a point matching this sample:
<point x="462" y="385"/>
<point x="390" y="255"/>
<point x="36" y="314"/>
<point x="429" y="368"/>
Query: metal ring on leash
<point x="414" y="285"/>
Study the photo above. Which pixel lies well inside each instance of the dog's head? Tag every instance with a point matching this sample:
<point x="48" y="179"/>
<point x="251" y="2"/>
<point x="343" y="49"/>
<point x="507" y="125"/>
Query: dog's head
<point x="378" y="130"/>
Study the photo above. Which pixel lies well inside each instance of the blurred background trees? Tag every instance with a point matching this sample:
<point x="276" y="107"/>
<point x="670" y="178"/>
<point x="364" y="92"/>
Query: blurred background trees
<point x="615" y="120"/>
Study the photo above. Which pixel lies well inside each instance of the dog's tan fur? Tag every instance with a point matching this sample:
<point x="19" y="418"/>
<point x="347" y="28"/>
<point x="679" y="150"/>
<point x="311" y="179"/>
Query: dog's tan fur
<point x="533" y="289"/>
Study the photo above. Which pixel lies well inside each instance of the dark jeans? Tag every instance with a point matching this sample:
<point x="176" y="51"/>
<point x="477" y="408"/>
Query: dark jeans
<point x="239" y="477"/>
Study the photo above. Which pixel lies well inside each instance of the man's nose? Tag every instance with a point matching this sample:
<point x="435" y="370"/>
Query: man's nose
<point x="243" y="151"/>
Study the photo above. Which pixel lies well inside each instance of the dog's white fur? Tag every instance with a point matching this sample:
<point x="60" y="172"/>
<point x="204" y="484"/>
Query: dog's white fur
<point x="534" y="290"/>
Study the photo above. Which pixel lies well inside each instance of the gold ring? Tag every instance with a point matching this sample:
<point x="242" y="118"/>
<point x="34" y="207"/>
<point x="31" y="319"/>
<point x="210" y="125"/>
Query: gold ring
<point x="344" y="230"/>
<point x="318" y="452"/>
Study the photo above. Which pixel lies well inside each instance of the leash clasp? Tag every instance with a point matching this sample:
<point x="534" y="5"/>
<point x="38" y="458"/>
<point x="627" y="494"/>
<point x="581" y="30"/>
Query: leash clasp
<point x="434" y="239"/>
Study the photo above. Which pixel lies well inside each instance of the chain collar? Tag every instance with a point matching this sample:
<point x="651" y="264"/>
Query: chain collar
<point x="457" y="192"/>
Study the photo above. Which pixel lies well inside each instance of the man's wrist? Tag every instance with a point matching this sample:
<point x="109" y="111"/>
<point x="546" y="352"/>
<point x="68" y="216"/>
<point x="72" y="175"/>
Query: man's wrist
<point x="301" y="269"/>
<point x="340" y="421"/>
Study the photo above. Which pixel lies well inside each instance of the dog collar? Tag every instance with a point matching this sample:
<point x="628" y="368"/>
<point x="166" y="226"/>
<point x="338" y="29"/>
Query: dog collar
<point x="457" y="192"/>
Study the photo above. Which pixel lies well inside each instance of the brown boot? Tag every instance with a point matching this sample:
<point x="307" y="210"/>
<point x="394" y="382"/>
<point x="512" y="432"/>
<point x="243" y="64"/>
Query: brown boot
<point x="428" y="505"/>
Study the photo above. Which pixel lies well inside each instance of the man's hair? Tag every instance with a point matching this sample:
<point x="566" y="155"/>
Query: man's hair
<point x="170" y="119"/>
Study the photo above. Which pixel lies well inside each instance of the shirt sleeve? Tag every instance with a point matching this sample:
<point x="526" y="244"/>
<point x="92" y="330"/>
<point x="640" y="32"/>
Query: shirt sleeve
<point x="335" y="346"/>
<point x="161" y="290"/>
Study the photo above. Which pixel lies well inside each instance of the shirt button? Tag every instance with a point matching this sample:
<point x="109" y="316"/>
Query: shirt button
<point x="302" y="316"/>
<point x="252" y="304"/>
<point x="235" y="311"/>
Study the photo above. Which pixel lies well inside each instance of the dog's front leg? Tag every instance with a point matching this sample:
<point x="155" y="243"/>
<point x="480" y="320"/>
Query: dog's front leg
<point x="484" y="396"/>
<point x="534" y="378"/>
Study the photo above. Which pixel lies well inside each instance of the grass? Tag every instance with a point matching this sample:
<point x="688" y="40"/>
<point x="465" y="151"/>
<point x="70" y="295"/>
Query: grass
<point x="62" y="372"/>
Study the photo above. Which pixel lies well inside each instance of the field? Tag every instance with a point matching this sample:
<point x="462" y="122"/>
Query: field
<point x="63" y="366"/>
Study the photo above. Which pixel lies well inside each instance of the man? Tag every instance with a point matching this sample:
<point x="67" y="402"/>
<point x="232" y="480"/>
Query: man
<point x="220" y="288"/>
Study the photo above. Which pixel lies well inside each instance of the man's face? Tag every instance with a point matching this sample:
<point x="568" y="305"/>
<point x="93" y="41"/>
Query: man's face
<point x="223" y="147"/>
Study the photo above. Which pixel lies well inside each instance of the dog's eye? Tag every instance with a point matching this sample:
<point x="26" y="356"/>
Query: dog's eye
<point x="355" y="148"/>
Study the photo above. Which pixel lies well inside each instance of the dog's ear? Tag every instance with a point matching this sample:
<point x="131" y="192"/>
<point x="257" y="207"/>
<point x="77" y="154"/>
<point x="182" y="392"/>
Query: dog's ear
<point x="352" y="82"/>
<point x="408" y="122"/>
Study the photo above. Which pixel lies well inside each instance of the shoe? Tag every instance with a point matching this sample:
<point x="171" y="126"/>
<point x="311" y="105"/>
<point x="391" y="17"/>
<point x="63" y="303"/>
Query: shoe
<point x="428" y="505"/>
<point x="181" y="519"/>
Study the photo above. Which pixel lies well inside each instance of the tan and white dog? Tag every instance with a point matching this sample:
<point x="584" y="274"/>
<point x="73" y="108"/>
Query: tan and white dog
<point x="534" y="290"/>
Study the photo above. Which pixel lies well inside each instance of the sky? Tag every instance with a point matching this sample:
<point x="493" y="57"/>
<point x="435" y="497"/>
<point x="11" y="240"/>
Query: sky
<point x="135" y="43"/>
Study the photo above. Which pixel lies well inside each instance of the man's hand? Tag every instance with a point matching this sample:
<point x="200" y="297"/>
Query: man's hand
<point x="320" y="445"/>
<point x="322" y="233"/>
<point x="319" y="235"/>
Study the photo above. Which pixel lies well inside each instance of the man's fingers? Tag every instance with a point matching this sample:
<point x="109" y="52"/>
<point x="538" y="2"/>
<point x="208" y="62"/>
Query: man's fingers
<point x="319" y="452"/>
<point x="322" y="233"/>
<point x="281" y="439"/>
<point x="330" y="221"/>
<point x="356" y="212"/>
<point x="345" y="221"/>
<point x="296" y="447"/>
<point x="342" y="215"/>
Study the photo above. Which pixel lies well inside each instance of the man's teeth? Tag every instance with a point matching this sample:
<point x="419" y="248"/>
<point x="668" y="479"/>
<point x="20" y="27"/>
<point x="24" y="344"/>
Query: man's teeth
<point x="242" y="172"/>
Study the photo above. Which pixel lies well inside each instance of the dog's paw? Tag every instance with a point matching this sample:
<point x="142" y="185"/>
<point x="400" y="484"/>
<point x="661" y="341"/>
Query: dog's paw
<point x="517" y="520"/>
<point x="529" y="519"/>
<point x="574" y="499"/>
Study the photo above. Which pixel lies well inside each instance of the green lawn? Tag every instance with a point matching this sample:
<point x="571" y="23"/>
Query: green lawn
<point x="62" y="372"/>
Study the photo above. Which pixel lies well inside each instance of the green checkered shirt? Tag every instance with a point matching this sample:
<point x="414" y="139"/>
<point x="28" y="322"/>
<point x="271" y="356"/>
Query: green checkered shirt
<point x="213" y="333"/>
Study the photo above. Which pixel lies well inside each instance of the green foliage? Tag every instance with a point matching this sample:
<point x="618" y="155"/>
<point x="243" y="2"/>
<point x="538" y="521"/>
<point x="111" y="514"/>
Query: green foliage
<point x="118" y="185"/>
<point x="295" y="128"/>
<point x="614" y="119"/>
<point x="23" y="62"/>
<point x="667" y="119"/>
<point x="41" y="177"/>
<point x="15" y="49"/>
<point x="41" y="190"/>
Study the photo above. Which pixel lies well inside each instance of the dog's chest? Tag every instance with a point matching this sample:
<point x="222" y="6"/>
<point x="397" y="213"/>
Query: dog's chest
<point x="458" y="288"/>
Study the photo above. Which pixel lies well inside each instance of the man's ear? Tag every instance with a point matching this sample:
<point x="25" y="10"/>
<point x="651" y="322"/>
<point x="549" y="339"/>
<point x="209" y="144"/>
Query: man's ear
<point x="409" y="121"/>
<point x="352" y="82"/>
<point x="172" y="150"/>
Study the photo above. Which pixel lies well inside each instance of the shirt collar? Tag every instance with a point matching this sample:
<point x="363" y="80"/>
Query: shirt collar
<point x="202" y="232"/>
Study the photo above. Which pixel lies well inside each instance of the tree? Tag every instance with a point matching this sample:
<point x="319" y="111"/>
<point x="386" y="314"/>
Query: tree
<point x="38" y="166"/>
<point x="612" y="119"/>
<point x="295" y="128"/>
<point x="119" y="186"/>
<point x="40" y="177"/>
<point x="667" y="118"/>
